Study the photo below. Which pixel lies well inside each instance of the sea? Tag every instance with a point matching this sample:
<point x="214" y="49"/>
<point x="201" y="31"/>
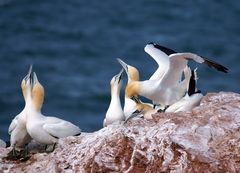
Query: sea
<point x="73" y="46"/>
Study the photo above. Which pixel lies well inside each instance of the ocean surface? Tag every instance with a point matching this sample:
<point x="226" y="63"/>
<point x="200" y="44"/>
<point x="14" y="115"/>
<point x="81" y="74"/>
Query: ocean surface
<point x="74" y="44"/>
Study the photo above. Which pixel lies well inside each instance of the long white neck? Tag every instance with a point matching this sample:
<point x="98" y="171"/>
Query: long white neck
<point x="115" y="95"/>
<point x="32" y="113"/>
<point x="115" y="106"/>
<point x="115" y="91"/>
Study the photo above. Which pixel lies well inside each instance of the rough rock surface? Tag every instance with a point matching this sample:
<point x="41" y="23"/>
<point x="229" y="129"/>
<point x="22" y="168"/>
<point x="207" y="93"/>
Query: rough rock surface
<point x="204" y="140"/>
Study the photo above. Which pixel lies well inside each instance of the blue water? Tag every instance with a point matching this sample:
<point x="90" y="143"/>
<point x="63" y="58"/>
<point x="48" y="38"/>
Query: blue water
<point x="74" y="45"/>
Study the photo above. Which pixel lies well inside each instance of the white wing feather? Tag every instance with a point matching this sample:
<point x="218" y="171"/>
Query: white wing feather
<point x="162" y="60"/>
<point x="60" y="128"/>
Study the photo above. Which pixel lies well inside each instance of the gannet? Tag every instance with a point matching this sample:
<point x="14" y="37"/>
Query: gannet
<point x="44" y="129"/>
<point x="115" y="112"/>
<point x="133" y="75"/>
<point x="169" y="89"/>
<point x="19" y="137"/>
<point x="191" y="99"/>
<point x="146" y="110"/>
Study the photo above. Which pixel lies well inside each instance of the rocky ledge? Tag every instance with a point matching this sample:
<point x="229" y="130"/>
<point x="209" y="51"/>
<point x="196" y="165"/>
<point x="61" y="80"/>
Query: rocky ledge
<point x="205" y="140"/>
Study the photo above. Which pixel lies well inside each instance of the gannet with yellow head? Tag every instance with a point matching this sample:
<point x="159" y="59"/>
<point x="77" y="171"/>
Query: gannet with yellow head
<point x="44" y="129"/>
<point x="19" y="137"/>
<point x="187" y="103"/>
<point x="133" y="86"/>
<point x="115" y="112"/>
<point x="169" y="89"/>
<point x="133" y="75"/>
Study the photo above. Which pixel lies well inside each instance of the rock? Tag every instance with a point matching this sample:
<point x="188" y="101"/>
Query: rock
<point x="204" y="140"/>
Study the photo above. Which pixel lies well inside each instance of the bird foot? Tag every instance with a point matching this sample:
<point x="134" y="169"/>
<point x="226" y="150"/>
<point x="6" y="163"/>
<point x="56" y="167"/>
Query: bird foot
<point x="17" y="155"/>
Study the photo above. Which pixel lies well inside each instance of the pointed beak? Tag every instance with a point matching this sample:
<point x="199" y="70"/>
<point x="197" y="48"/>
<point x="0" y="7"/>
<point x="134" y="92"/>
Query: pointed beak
<point x="35" y="79"/>
<point x="134" y="114"/>
<point x="123" y="64"/>
<point x="119" y="75"/>
<point x="28" y="76"/>
<point x="136" y="99"/>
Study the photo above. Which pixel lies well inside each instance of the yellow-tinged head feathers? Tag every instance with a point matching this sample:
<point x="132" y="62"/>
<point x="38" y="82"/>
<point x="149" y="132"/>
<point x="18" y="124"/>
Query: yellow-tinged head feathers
<point x="26" y="83"/>
<point x="37" y="93"/>
<point x="132" y="89"/>
<point x="24" y="89"/>
<point x="132" y="72"/>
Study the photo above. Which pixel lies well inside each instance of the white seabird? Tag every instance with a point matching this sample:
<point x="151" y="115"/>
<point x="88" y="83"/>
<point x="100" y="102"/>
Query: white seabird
<point x="19" y="137"/>
<point x="146" y="110"/>
<point x="115" y="112"/>
<point x="169" y="89"/>
<point x="44" y="129"/>
<point x="133" y="75"/>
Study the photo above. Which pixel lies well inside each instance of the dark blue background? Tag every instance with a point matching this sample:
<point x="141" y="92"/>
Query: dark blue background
<point x="74" y="45"/>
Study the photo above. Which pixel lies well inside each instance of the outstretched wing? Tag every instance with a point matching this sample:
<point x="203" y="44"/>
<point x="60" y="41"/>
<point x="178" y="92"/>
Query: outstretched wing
<point x="166" y="50"/>
<point x="161" y="58"/>
<point x="207" y="61"/>
<point x="215" y="65"/>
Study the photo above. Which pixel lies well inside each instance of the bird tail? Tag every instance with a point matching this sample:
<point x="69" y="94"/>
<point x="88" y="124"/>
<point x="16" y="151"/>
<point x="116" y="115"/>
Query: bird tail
<point x="192" y="87"/>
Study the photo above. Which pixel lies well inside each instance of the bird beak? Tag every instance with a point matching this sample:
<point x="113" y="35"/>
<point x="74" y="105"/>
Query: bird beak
<point x="28" y="76"/>
<point x="35" y="79"/>
<point x="136" y="99"/>
<point x="134" y="114"/>
<point x="123" y="64"/>
<point x="120" y="74"/>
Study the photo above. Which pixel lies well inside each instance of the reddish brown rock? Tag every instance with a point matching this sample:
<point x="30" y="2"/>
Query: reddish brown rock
<point x="205" y="140"/>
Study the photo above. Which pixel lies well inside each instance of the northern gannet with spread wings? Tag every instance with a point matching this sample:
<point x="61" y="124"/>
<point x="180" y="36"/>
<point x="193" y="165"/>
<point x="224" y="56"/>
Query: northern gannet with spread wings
<point x="169" y="89"/>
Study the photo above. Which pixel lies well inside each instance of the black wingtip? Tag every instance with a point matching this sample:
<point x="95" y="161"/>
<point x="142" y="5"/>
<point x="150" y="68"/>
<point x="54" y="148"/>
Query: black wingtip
<point x="166" y="50"/>
<point x="215" y="65"/>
